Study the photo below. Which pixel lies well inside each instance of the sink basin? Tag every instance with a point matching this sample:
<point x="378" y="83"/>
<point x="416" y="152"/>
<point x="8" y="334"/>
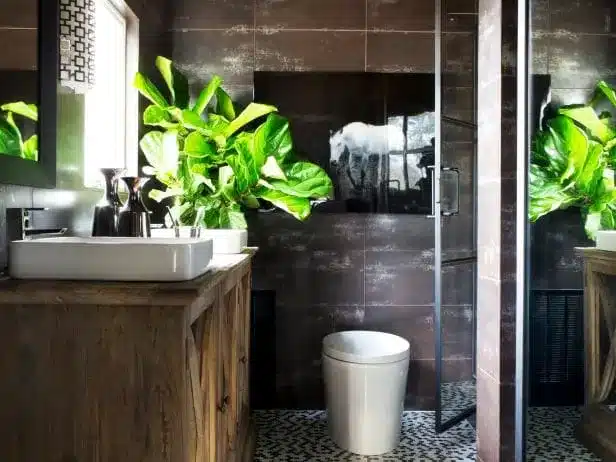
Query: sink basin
<point x="226" y="241"/>
<point x="110" y="258"/>
<point x="606" y="240"/>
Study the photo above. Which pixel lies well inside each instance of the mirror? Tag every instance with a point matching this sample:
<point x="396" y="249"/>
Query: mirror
<point x="97" y="123"/>
<point x="19" y="79"/>
<point x="27" y="92"/>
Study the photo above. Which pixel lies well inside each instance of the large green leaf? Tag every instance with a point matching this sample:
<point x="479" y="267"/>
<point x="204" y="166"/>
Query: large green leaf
<point x="224" y="105"/>
<point x="592" y="223"/>
<point x="588" y="177"/>
<point x="160" y="196"/>
<point x="158" y="117"/>
<point x="271" y="169"/>
<point x="251" y="202"/>
<point x="30" y="148"/>
<point x="197" y="146"/>
<point x="232" y="217"/>
<point x="273" y="137"/>
<point x="244" y="165"/>
<point x="10" y="138"/>
<point x="299" y="207"/>
<point x="547" y="194"/>
<point x="176" y="82"/>
<point x="30" y="111"/>
<point x="588" y="118"/>
<point x="161" y="151"/>
<point x="545" y="154"/>
<point x="206" y="95"/>
<point x="304" y="179"/>
<point x="606" y="91"/>
<point x="571" y="143"/>
<point x="217" y="123"/>
<point x="252" y="112"/>
<point x="149" y="90"/>
<point x="211" y="207"/>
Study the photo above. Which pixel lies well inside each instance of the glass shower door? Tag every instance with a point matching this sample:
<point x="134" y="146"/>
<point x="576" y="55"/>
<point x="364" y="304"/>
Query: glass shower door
<point x="455" y="232"/>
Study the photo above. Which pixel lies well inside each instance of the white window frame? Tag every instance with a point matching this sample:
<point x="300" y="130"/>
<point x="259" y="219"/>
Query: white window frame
<point x="92" y="178"/>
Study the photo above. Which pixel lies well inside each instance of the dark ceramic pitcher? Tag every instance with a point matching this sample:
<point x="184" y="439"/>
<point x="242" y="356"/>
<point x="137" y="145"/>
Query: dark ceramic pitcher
<point x="106" y="211"/>
<point x="134" y="217"/>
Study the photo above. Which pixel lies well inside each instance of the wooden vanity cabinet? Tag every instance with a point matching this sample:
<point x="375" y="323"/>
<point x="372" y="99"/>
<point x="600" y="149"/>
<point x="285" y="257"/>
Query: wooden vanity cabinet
<point x="127" y="372"/>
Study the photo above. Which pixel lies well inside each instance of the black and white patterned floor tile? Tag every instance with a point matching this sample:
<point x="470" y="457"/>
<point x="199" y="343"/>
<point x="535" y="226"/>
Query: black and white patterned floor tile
<point x="458" y="396"/>
<point x="550" y="436"/>
<point x="301" y="436"/>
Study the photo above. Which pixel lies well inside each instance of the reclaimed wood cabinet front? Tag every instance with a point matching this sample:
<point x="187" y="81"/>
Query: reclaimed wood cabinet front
<point x="126" y="372"/>
<point x="218" y="345"/>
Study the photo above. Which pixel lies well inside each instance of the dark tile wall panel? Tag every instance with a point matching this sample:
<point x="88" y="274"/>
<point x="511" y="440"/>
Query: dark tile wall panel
<point x="339" y="271"/>
<point x="400" y="15"/>
<point x="400" y="52"/>
<point x="306" y="50"/>
<point x="203" y="53"/>
<point x="213" y="14"/>
<point x="311" y="14"/>
<point x="574" y="42"/>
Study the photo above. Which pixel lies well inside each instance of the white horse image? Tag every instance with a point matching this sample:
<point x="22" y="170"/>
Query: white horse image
<point x="371" y="159"/>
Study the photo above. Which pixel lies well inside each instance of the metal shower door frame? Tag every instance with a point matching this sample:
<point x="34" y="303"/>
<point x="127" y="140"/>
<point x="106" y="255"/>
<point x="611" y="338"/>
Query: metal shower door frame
<point x="440" y="425"/>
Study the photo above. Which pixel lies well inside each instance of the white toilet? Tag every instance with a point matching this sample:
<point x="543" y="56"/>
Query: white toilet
<point x="365" y="383"/>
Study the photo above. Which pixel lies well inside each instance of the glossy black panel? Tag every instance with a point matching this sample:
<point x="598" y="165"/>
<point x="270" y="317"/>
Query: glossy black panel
<point x="373" y="132"/>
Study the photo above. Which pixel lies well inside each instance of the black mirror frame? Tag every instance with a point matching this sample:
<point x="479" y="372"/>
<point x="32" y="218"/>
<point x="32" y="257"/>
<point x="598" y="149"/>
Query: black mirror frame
<point x="41" y="174"/>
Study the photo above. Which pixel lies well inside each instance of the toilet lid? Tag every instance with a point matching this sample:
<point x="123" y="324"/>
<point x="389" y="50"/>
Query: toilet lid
<point x="366" y="347"/>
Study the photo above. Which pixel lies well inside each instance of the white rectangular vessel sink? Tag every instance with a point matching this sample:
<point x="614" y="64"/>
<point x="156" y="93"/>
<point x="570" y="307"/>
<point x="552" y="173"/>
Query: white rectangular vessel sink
<point x="226" y="241"/>
<point x="606" y="240"/>
<point x="110" y="258"/>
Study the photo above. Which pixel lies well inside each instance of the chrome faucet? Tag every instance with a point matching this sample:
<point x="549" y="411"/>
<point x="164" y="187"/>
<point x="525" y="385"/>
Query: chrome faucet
<point x="19" y="225"/>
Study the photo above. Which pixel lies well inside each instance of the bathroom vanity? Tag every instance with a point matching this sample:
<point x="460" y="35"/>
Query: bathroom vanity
<point x="127" y="371"/>
<point x="597" y="429"/>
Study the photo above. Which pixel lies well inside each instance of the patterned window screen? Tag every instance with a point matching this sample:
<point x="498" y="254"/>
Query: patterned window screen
<point x="77" y="44"/>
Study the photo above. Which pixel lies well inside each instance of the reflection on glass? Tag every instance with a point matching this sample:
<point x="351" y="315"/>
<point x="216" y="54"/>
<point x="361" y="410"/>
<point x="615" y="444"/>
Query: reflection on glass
<point x="385" y="168"/>
<point x="19" y="79"/>
<point x="373" y="133"/>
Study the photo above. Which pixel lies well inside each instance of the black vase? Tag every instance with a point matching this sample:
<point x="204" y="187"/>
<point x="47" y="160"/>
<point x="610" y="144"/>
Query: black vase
<point x="134" y="217"/>
<point x="105" y="221"/>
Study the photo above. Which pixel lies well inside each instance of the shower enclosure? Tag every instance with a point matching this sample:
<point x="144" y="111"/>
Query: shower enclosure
<point x="454" y="213"/>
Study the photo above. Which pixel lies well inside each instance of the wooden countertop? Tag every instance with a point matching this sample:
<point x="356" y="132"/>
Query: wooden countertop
<point x="601" y="261"/>
<point x="223" y="271"/>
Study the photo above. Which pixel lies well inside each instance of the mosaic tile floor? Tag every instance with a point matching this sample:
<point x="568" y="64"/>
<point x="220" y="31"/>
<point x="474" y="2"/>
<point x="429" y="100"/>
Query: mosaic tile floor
<point x="301" y="436"/>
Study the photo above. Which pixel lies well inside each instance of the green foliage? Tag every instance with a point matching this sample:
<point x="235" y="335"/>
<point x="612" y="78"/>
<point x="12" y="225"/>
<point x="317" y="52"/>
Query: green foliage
<point x="215" y="162"/>
<point x="11" y="140"/>
<point x="573" y="160"/>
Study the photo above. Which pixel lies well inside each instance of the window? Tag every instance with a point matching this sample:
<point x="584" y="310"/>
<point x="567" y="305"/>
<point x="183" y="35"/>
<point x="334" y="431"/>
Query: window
<point x="110" y="131"/>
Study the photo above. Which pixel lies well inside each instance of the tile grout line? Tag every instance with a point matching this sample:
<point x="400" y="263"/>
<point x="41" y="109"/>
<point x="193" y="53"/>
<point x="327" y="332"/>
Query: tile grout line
<point x="365" y="70"/>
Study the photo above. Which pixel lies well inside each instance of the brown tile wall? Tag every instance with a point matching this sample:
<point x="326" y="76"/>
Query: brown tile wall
<point x="574" y="42"/>
<point x="154" y="40"/>
<point x="338" y="271"/>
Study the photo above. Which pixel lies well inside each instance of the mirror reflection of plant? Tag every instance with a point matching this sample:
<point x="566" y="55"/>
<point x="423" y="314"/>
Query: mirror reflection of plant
<point x="11" y="140"/>
<point x="573" y="161"/>
<point x="211" y="163"/>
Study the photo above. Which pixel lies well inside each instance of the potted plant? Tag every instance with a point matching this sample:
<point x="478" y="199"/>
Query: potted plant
<point x="572" y="163"/>
<point x="217" y="162"/>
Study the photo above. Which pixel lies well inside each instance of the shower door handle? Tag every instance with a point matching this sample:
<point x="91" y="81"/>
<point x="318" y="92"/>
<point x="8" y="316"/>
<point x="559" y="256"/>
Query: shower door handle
<point x="455" y="172"/>
<point x="433" y="195"/>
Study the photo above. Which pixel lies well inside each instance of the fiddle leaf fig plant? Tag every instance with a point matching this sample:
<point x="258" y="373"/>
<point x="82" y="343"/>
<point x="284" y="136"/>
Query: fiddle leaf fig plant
<point x="573" y="160"/>
<point x="217" y="162"/>
<point x="11" y="139"/>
